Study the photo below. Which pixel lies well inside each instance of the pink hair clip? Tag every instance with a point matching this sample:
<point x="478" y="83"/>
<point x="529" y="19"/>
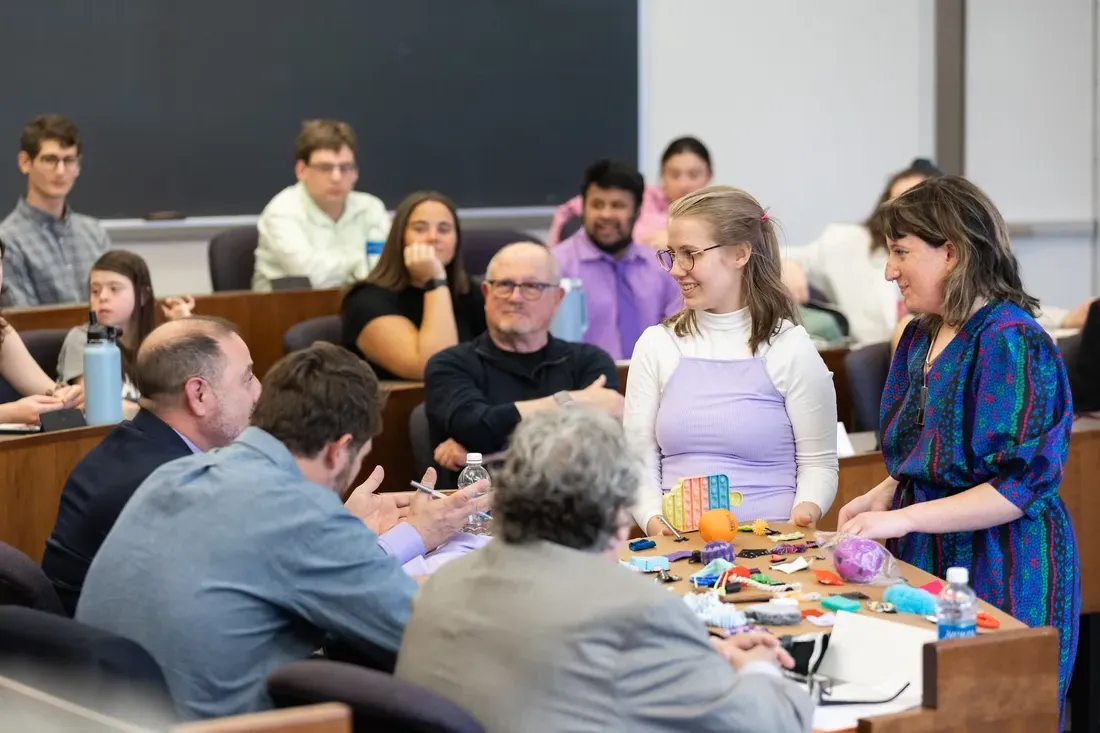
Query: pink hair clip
<point x="764" y="216"/>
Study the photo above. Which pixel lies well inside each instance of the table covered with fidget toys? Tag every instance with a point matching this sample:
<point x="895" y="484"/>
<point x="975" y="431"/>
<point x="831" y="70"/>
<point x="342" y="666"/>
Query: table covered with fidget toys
<point x="788" y="579"/>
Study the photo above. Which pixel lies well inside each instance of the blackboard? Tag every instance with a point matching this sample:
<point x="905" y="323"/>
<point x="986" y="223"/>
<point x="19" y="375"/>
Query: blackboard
<point x="193" y="105"/>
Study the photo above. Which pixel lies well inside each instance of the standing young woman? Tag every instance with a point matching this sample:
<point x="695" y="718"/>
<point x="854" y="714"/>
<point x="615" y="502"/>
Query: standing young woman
<point x="975" y="418"/>
<point x="685" y="168"/>
<point x="730" y="384"/>
<point x="417" y="300"/>
<point x="121" y="294"/>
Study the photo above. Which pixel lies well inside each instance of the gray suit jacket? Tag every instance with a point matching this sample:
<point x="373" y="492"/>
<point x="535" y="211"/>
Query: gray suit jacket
<point x="543" y="638"/>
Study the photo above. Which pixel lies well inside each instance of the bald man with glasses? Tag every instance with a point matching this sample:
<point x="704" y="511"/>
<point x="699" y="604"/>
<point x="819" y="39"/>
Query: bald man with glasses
<point x="477" y="392"/>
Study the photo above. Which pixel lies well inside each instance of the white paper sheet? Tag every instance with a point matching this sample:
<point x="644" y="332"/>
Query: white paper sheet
<point x="873" y="657"/>
<point x="844" y="447"/>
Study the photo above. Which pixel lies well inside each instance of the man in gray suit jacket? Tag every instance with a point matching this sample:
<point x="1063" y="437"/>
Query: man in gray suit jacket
<point x="543" y="631"/>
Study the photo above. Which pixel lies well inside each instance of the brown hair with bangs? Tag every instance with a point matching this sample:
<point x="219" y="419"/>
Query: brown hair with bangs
<point x="733" y="216"/>
<point x="952" y="210"/>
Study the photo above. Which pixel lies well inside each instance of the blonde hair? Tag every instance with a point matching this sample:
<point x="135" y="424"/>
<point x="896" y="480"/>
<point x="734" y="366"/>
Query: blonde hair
<point x="952" y="209"/>
<point x="733" y="216"/>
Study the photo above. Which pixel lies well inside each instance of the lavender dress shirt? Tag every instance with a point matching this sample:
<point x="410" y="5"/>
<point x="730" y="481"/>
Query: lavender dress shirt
<point x="654" y="293"/>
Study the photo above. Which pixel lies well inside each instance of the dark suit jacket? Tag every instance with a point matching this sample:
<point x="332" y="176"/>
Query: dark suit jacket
<point x="97" y="490"/>
<point x="1084" y="372"/>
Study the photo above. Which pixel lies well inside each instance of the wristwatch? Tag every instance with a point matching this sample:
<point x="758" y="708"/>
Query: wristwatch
<point x="564" y="399"/>
<point x="435" y="282"/>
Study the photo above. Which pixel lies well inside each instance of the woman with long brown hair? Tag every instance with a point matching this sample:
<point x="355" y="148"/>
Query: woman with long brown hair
<point x="417" y="300"/>
<point x="976" y="417"/>
<point x="731" y="385"/>
<point x="121" y="294"/>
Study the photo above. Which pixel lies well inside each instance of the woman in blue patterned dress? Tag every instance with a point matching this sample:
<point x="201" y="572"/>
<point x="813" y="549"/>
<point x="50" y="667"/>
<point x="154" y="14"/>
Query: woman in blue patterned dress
<point x="975" y="418"/>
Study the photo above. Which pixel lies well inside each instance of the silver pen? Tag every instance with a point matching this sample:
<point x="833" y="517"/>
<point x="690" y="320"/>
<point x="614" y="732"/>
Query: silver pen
<point x="679" y="537"/>
<point x="429" y="490"/>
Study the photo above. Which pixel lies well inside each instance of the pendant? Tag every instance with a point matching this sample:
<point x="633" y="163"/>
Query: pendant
<point x="921" y="407"/>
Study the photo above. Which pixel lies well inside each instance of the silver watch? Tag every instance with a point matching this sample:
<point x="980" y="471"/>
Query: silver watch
<point x="564" y="399"/>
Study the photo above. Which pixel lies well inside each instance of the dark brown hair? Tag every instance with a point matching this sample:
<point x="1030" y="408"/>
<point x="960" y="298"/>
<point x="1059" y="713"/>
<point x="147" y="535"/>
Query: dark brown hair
<point x="920" y="167"/>
<point x="163" y="370"/>
<point x="3" y="322"/>
<point x="733" y="216"/>
<point x="142" y="321"/>
<point x="58" y="128"/>
<point x="953" y="210"/>
<point x="390" y="272"/>
<point x="316" y="135"/>
<point x="318" y="395"/>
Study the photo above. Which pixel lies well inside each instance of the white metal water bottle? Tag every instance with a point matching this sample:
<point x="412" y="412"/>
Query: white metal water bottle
<point x="102" y="374"/>
<point x="470" y="475"/>
<point x="957" y="606"/>
<point x="375" y="243"/>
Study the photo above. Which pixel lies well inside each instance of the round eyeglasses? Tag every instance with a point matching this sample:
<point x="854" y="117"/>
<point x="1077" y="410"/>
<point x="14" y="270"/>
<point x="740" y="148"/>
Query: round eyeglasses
<point x="684" y="258"/>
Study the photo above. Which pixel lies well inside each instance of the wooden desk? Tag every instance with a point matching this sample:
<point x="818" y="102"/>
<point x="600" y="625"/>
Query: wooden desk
<point x="33" y="470"/>
<point x="262" y="318"/>
<point x="969" y="684"/>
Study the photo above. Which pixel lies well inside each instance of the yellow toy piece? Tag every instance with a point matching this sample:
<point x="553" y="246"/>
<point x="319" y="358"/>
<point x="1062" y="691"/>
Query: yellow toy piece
<point x="760" y="528"/>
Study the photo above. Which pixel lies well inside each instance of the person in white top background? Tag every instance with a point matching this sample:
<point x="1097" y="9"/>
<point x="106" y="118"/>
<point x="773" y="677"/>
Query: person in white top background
<point x="848" y="261"/>
<point x="731" y="385"/>
<point x="318" y="228"/>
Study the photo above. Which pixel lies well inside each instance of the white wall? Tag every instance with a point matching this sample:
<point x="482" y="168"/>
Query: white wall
<point x="807" y="105"/>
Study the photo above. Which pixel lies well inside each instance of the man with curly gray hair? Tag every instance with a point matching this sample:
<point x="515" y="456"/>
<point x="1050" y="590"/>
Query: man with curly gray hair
<point x="543" y="630"/>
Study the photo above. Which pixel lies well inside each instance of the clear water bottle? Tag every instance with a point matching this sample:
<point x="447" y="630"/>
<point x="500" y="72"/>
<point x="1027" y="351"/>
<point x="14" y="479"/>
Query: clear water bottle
<point x="957" y="606"/>
<point x="473" y="473"/>
<point x="102" y="374"/>
<point x="375" y="243"/>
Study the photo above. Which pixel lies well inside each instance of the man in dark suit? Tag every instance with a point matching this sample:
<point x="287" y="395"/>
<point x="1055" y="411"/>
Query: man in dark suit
<point x="198" y="391"/>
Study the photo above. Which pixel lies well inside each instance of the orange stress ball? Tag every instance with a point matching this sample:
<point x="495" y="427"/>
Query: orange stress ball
<point x="718" y="524"/>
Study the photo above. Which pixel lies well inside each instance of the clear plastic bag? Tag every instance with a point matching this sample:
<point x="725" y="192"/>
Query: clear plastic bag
<point x="860" y="560"/>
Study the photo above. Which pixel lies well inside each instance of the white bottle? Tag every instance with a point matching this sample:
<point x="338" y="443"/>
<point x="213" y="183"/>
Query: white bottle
<point x="375" y="243"/>
<point x="470" y="475"/>
<point x="957" y="606"/>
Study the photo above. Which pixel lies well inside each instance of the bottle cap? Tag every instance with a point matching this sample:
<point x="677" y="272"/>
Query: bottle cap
<point x="101" y="332"/>
<point x="473" y="458"/>
<point x="959" y="576"/>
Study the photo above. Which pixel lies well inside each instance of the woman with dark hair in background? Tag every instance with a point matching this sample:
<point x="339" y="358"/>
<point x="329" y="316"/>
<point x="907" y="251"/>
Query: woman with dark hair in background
<point x="417" y="300"/>
<point x="685" y="168"/>
<point x="22" y="372"/>
<point x="121" y="294"/>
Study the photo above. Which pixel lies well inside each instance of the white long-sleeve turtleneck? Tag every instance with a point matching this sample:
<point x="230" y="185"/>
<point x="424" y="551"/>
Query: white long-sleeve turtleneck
<point x="796" y="369"/>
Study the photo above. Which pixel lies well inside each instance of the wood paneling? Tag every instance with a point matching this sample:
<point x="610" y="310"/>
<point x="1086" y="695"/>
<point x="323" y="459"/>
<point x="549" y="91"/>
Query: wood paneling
<point x="262" y="318"/>
<point x="329" y="717"/>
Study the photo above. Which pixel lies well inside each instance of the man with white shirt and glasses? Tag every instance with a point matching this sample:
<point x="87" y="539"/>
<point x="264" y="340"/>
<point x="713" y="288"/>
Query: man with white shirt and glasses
<point x="318" y="228"/>
<point x="49" y="248"/>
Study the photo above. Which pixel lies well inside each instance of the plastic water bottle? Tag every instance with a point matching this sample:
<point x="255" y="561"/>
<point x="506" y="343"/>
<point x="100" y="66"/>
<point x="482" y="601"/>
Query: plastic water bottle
<point x="957" y="606"/>
<point x="374" y="247"/>
<point x="473" y="473"/>
<point x="102" y="374"/>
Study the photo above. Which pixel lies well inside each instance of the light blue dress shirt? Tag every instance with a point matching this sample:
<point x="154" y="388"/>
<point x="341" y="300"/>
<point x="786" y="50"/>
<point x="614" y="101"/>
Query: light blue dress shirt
<point x="227" y="565"/>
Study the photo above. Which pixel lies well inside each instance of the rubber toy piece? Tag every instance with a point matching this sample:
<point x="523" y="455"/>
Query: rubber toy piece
<point x="827" y="577"/>
<point x="760" y="527"/>
<point x="839" y="603"/>
<point x="858" y="559"/>
<point x="642" y="544"/>
<point x="810" y="612"/>
<point x="774" y="614"/>
<point x="761" y="578"/>
<point x="718" y="524"/>
<point x="733" y="587"/>
<point x="717" y="550"/>
<point x="751" y="554"/>
<point x="910" y="600"/>
<point x="985" y="621"/>
<point x="649" y="564"/>
<point x="679" y="555"/>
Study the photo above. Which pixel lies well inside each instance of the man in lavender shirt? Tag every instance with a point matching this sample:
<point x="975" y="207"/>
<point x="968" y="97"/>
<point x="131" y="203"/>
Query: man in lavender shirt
<point x="626" y="288"/>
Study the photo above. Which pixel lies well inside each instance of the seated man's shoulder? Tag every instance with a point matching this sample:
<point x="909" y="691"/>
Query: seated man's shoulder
<point x="361" y="201"/>
<point x="86" y="222"/>
<point x="462" y="354"/>
<point x="288" y="202"/>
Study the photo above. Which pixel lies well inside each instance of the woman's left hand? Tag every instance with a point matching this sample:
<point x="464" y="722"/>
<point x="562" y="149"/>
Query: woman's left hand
<point x="879" y="525"/>
<point x="805" y="514"/>
<point x="176" y="308"/>
<point x="72" y="395"/>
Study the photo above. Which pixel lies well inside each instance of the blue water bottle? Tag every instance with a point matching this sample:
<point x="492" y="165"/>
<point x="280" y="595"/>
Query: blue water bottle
<point x="570" y="322"/>
<point x="374" y="247"/>
<point x="102" y="374"/>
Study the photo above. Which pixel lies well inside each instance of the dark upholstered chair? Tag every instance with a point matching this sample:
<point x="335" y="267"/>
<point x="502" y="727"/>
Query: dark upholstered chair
<point x="305" y="334"/>
<point x="232" y="258"/>
<point x="379" y="701"/>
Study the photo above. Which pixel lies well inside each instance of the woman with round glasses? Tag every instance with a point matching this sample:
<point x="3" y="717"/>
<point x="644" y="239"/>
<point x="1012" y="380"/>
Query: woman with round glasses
<point x="417" y="300"/>
<point x="730" y="385"/>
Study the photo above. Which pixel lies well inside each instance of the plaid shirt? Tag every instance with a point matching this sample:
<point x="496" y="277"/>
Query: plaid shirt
<point x="47" y="260"/>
